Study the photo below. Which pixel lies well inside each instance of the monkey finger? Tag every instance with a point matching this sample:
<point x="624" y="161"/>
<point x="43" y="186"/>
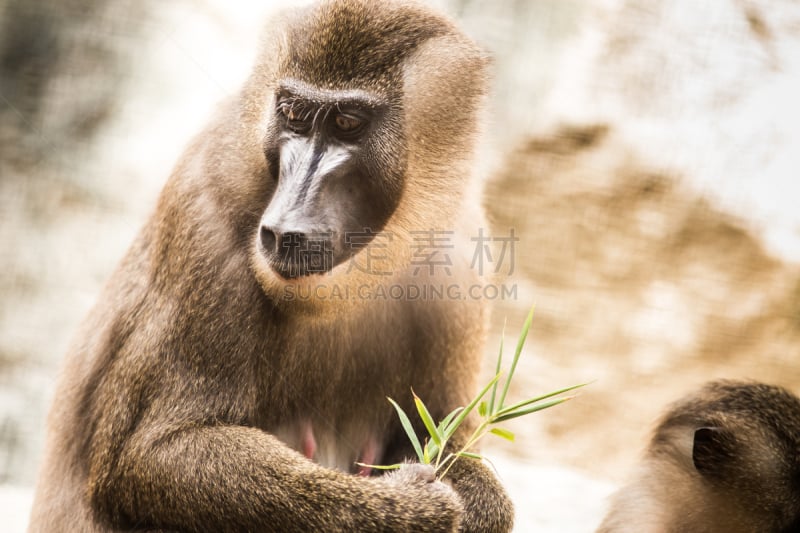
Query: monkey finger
<point x="413" y="473"/>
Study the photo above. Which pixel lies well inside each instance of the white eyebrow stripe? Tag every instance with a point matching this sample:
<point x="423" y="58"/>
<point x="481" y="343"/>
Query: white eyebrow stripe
<point x="332" y="157"/>
<point x="297" y="157"/>
<point x="295" y="154"/>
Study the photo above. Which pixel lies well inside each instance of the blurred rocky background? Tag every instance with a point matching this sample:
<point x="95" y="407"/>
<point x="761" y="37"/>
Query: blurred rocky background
<point x="646" y="154"/>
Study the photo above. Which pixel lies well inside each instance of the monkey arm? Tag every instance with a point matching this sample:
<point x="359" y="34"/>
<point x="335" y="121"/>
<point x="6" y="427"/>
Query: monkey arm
<point x="234" y="478"/>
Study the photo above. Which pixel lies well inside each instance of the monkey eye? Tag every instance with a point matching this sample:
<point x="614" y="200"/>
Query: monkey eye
<point x="348" y="124"/>
<point x="297" y="119"/>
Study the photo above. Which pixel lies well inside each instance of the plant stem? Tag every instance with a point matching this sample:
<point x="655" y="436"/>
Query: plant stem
<point x="477" y="435"/>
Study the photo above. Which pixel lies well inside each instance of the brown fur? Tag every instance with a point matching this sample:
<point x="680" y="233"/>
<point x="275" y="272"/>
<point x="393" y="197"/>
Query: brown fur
<point x="186" y="401"/>
<point x="739" y="474"/>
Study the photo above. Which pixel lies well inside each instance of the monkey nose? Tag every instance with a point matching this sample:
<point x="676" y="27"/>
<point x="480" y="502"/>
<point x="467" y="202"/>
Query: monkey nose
<point x="286" y="251"/>
<point x="284" y="243"/>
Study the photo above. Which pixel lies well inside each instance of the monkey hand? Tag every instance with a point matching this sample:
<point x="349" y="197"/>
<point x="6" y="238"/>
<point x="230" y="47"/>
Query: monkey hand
<point x="487" y="507"/>
<point x="435" y="506"/>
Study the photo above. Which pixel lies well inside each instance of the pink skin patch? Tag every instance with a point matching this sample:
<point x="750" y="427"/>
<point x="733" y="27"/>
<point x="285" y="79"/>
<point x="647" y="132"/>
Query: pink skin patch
<point x="368" y="457"/>
<point x="369" y="453"/>
<point x="309" y="442"/>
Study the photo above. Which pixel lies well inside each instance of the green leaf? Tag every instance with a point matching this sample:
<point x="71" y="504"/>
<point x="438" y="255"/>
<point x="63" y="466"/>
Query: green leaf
<point x="504" y="433"/>
<point x="453" y="426"/>
<point x="482" y="408"/>
<point x="427" y="419"/>
<point x="433" y="449"/>
<point x="521" y="404"/>
<point x="381" y="467"/>
<point x="446" y="421"/>
<point x="470" y="455"/>
<point x="520" y="343"/>
<point x="529" y="410"/>
<point x="497" y="367"/>
<point x="409" y="429"/>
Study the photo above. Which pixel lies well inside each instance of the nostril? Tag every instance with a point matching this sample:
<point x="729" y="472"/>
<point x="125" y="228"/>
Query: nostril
<point x="268" y="239"/>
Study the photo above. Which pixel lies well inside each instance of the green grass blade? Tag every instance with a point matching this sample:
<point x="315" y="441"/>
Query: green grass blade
<point x="520" y="343"/>
<point x="427" y="419"/>
<point x="504" y="433"/>
<point x="409" y="429"/>
<point x="522" y="404"/>
<point x="453" y="426"/>
<point x="533" y="409"/>
<point x="471" y="455"/>
<point x="433" y="449"/>
<point x="497" y="368"/>
<point x="381" y="467"/>
<point x="446" y="421"/>
<point x="482" y="408"/>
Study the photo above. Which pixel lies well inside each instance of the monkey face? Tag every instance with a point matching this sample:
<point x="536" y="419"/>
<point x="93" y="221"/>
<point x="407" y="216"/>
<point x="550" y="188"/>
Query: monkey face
<point x="366" y="114"/>
<point x="724" y="459"/>
<point x="337" y="159"/>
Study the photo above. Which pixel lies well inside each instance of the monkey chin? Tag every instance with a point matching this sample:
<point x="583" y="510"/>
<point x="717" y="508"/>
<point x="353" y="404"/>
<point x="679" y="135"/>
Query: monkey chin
<point x="323" y="294"/>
